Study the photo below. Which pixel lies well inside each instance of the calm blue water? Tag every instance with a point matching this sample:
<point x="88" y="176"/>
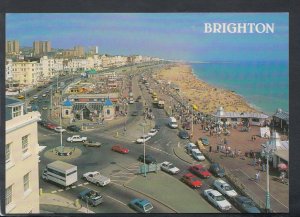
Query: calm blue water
<point x="264" y="85"/>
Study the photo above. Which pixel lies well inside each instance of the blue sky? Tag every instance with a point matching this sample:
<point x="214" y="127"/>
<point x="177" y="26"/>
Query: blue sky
<point x="165" y="35"/>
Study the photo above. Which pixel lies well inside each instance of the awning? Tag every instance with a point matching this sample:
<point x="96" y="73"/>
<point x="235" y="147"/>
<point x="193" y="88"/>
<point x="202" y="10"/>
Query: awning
<point x="283" y="154"/>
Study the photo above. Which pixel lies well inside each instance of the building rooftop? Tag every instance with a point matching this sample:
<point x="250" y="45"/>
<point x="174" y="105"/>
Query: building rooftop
<point x="10" y="102"/>
<point x="108" y="102"/>
<point x="282" y="115"/>
<point x="67" y="103"/>
<point x="62" y="165"/>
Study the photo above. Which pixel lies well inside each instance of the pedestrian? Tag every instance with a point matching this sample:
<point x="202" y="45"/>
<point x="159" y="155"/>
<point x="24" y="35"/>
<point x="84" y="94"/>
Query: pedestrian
<point x="259" y="161"/>
<point x="254" y="162"/>
<point x="210" y="148"/>
<point x="257" y="176"/>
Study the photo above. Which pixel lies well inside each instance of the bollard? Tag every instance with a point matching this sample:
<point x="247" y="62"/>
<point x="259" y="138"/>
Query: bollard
<point x="77" y="204"/>
<point x="41" y="191"/>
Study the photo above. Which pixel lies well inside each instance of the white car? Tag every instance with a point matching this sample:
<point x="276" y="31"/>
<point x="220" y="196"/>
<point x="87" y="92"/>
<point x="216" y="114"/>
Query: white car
<point x="169" y="168"/>
<point x="76" y="138"/>
<point x="59" y="129"/>
<point x="35" y="96"/>
<point x="143" y="138"/>
<point x="153" y="132"/>
<point x="217" y="199"/>
<point x="224" y="188"/>
<point x="44" y="95"/>
<point x="190" y="147"/>
<point x="196" y="153"/>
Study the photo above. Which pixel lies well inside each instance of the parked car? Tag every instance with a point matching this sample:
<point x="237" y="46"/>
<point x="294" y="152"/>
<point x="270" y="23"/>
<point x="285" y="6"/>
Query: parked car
<point x="245" y="204"/>
<point x="76" y="138"/>
<point x="59" y="129"/>
<point x="143" y="138"/>
<point x="186" y="125"/>
<point x="217" y="170"/>
<point x="44" y="95"/>
<point x="51" y="126"/>
<point x="190" y="147"/>
<point x="141" y="205"/>
<point x="148" y="159"/>
<point x="91" y="197"/>
<point x="199" y="170"/>
<point x="35" y="97"/>
<point x="183" y="134"/>
<point x="197" y="154"/>
<point x="224" y="188"/>
<point x="191" y="180"/>
<point x="73" y="128"/>
<point x="169" y="168"/>
<point x="43" y="123"/>
<point x="217" y="199"/>
<point x="204" y="141"/>
<point x="91" y="143"/>
<point x="135" y="113"/>
<point x="120" y="149"/>
<point x="157" y="127"/>
<point x="153" y="132"/>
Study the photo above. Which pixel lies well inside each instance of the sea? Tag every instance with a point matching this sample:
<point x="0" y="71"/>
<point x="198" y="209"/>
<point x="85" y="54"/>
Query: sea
<point x="264" y="85"/>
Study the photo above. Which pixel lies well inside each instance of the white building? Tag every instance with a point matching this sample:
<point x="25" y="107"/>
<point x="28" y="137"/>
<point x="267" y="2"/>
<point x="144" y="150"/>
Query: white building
<point x="25" y="73"/>
<point x="74" y="65"/>
<point x="257" y="119"/>
<point x="47" y="67"/>
<point x="8" y="70"/>
<point x="21" y="159"/>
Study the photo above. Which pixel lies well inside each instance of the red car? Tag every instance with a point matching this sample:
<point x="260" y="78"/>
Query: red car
<point x="120" y="149"/>
<point x="51" y="126"/>
<point x="191" y="180"/>
<point x="199" y="170"/>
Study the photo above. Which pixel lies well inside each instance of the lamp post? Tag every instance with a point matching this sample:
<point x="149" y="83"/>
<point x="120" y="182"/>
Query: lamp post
<point x="145" y="174"/>
<point x="267" y="152"/>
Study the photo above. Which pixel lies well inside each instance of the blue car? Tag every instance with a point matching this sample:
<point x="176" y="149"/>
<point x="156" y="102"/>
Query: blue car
<point x="91" y="197"/>
<point x="216" y="170"/>
<point x="245" y="204"/>
<point x="141" y="205"/>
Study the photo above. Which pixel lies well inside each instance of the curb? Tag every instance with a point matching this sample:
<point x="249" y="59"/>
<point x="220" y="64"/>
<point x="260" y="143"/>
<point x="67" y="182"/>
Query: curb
<point x="151" y="198"/>
<point x="181" y="158"/>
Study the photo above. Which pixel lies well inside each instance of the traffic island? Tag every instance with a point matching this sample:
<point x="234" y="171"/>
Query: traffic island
<point x="162" y="188"/>
<point x="65" y="153"/>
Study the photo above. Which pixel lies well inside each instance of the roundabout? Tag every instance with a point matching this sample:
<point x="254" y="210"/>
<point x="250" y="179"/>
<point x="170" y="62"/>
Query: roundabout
<point x="63" y="153"/>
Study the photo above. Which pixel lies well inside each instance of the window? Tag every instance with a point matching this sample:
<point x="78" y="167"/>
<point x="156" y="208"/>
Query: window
<point x="17" y="111"/>
<point x="233" y="119"/>
<point x="26" y="182"/>
<point x="7" y="152"/>
<point x="8" y="195"/>
<point x="255" y="119"/>
<point x="25" y="143"/>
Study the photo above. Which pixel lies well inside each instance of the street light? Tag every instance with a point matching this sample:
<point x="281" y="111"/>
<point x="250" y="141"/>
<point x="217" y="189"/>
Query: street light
<point x="145" y="174"/>
<point x="267" y="151"/>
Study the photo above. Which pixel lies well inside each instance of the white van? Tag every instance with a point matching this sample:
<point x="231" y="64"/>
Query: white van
<point x="172" y="122"/>
<point x="61" y="173"/>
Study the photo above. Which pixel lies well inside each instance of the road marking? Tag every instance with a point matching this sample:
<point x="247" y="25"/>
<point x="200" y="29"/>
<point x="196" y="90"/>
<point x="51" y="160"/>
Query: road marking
<point x="79" y="185"/>
<point x="178" y="144"/>
<point x="60" y="190"/>
<point x="120" y="176"/>
<point x="53" y="192"/>
<point x="265" y="191"/>
<point x="159" y="150"/>
<point x="125" y="173"/>
<point x="116" y="200"/>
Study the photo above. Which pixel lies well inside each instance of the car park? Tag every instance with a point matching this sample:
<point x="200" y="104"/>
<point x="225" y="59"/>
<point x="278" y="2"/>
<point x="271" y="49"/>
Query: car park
<point x="142" y="139"/>
<point x="245" y="204"/>
<point x="169" y="168"/>
<point x="191" y="180"/>
<point x="197" y="154"/>
<point x="120" y="149"/>
<point x="153" y="132"/>
<point x="73" y="128"/>
<point x="216" y="170"/>
<point x="141" y="205"/>
<point x="59" y="129"/>
<point x="224" y="188"/>
<point x="200" y="170"/>
<point x="217" y="199"/>
<point x="91" y="197"/>
<point x="148" y="159"/>
<point x="183" y="134"/>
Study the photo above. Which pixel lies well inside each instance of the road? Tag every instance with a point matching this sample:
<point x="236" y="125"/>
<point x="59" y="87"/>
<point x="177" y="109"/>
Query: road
<point x="120" y="168"/>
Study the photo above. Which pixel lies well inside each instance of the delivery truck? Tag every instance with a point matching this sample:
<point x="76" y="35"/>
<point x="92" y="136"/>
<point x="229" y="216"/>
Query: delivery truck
<point x="60" y="172"/>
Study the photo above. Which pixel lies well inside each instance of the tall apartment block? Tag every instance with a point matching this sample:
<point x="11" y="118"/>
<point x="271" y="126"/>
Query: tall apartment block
<point x="21" y="159"/>
<point x="12" y="47"/>
<point x="41" y="47"/>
